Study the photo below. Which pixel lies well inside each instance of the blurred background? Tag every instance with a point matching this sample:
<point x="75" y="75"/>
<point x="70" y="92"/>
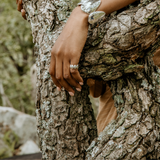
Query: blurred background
<point x="17" y="78"/>
<point x="16" y="59"/>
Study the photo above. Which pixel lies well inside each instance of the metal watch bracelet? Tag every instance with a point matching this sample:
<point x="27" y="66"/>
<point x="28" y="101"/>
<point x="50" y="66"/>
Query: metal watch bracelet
<point x="90" y="7"/>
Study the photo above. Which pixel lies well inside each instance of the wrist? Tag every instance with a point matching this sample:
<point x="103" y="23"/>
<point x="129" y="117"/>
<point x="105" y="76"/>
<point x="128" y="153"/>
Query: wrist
<point x="80" y="15"/>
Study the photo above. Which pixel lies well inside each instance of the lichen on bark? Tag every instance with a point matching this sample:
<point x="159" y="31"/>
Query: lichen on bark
<point x="119" y="50"/>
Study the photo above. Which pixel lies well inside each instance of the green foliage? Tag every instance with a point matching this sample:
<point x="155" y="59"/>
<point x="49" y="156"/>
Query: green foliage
<point x="3" y="153"/>
<point x="8" y="144"/>
<point x="16" y="57"/>
<point x="11" y="140"/>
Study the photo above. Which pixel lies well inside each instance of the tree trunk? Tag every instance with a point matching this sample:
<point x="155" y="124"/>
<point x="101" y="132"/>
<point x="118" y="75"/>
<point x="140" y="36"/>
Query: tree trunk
<point x="118" y="50"/>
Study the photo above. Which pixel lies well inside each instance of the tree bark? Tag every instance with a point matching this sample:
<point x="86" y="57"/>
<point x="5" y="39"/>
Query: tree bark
<point x="118" y="50"/>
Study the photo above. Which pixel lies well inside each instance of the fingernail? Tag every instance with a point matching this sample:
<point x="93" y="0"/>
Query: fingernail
<point x="58" y="89"/>
<point x="78" y="89"/>
<point x="71" y="94"/>
<point x="81" y="83"/>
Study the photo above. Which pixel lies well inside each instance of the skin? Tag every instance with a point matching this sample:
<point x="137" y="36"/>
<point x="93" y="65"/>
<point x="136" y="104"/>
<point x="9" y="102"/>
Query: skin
<point x="69" y="45"/>
<point x="67" y="50"/>
<point x="20" y="8"/>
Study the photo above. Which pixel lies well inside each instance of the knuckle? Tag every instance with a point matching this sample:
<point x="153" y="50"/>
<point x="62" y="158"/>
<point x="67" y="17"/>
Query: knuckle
<point x="66" y="76"/>
<point x="56" y="52"/>
<point x="59" y="78"/>
<point x="52" y="53"/>
<point x="52" y="50"/>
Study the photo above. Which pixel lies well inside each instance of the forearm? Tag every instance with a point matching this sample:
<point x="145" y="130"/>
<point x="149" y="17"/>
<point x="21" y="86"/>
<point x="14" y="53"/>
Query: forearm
<point x="109" y="6"/>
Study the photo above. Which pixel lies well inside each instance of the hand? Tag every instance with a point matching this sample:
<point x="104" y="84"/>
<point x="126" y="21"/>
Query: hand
<point x="67" y="50"/>
<point x="20" y="8"/>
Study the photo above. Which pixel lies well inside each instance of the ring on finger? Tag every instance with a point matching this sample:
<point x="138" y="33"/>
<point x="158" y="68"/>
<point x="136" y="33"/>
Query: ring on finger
<point x="73" y="66"/>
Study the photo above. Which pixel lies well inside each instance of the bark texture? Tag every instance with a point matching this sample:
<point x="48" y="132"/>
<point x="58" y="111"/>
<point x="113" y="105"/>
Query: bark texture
<point x="119" y="50"/>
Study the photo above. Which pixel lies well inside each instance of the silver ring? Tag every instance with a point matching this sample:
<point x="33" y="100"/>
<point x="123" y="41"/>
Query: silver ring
<point x="73" y="66"/>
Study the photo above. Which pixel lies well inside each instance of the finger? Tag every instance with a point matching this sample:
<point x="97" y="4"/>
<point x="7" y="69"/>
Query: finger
<point x="59" y="76"/>
<point x="20" y="2"/>
<point x="23" y="14"/>
<point x="67" y="76"/>
<point x="75" y="73"/>
<point x="53" y="74"/>
<point x="19" y="7"/>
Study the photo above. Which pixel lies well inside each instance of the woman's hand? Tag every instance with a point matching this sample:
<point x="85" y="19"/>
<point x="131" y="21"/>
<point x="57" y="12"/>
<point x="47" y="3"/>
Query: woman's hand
<point x="20" y="8"/>
<point x="67" y="50"/>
